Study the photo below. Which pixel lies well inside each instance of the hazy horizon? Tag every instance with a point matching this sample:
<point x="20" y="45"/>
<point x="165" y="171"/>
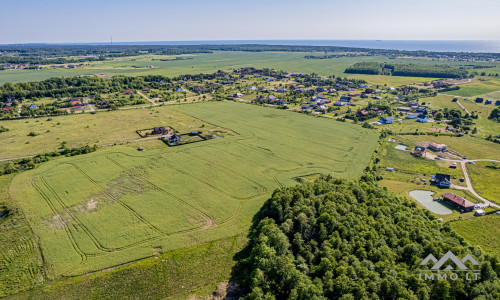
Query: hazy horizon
<point x="95" y="21"/>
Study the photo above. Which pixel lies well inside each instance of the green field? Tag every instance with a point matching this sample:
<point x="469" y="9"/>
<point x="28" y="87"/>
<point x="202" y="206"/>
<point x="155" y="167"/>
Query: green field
<point x="484" y="179"/>
<point x="207" y="63"/>
<point x="476" y="88"/>
<point x="483" y="231"/>
<point x="117" y="205"/>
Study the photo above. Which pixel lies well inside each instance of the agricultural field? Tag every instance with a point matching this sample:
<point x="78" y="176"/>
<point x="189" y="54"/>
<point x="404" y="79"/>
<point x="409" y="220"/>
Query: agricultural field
<point x="484" y="231"/>
<point x="118" y="205"/>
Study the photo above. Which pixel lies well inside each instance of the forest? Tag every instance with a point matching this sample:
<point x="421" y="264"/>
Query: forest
<point x="412" y="70"/>
<point x="334" y="239"/>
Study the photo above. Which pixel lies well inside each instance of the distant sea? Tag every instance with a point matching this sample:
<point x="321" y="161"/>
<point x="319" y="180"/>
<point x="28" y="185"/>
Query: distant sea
<point x="432" y="45"/>
<point x="476" y="46"/>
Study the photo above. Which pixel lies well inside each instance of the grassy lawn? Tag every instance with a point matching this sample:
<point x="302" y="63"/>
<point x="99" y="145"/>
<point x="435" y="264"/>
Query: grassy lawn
<point x="485" y="180"/>
<point x="117" y="205"/>
<point x="482" y="231"/>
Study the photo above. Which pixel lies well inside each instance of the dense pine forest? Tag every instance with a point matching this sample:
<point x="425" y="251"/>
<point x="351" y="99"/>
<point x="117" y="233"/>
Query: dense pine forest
<point x="334" y="239"/>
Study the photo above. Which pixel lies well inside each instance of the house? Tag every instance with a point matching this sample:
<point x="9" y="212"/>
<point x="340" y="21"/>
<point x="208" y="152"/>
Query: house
<point x="271" y="99"/>
<point x="421" y="109"/>
<point x="412" y="115"/>
<point x="281" y="90"/>
<point x="281" y="101"/>
<point x="411" y="103"/>
<point x="453" y="165"/>
<point x="362" y="86"/>
<point x="6" y="108"/>
<point x="377" y="91"/>
<point x="345" y="99"/>
<point x="146" y="89"/>
<point x="128" y="92"/>
<point x="160" y="130"/>
<point x="175" y="138"/>
<point x="76" y="102"/>
<point x="489" y="101"/>
<point x="458" y="202"/>
<point x="405" y="109"/>
<point x="321" y="96"/>
<point x="268" y="79"/>
<point x="238" y="95"/>
<point x="368" y="91"/>
<point x="338" y="103"/>
<point x="437" y="147"/>
<point x="305" y="107"/>
<point x="251" y="88"/>
<point x="362" y="113"/>
<point x="418" y="151"/>
<point x="443" y="180"/>
<point x="32" y="106"/>
<point x="178" y="90"/>
<point x="94" y="96"/>
<point x="422" y="119"/>
<point x="479" y="100"/>
<point x="387" y="120"/>
<point x="77" y="107"/>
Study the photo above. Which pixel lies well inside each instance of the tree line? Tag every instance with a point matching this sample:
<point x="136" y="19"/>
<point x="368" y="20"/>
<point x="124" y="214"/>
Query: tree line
<point x="414" y="70"/>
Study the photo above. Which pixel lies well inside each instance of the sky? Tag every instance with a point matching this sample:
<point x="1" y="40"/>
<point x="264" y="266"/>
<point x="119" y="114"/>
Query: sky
<point x="71" y="21"/>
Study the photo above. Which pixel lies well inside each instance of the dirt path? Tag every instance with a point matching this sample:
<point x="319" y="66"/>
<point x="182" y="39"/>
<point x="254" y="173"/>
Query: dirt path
<point x="144" y="96"/>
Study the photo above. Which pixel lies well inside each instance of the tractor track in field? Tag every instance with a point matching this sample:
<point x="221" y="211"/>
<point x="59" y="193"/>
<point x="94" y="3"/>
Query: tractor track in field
<point x="209" y="221"/>
<point x="67" y="209"/>
<point x="74" y="244"/>
<point x="124" y="205"/>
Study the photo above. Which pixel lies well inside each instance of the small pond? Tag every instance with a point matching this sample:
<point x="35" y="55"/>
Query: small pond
<point x="425" y="198"/>
<point x="401" y="147"/>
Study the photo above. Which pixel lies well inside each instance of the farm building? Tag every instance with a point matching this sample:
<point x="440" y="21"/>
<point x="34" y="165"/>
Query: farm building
<point x="443" y="180"/>
<point x="128" y="92"/>
<point x="437" y="147"/>
<point x="412" y="115"/>
<point x="345" y="99"/>
<point x="458" y="202"/>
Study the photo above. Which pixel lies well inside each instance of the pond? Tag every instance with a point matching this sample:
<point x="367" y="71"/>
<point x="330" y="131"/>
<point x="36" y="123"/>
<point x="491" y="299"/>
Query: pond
<point x="425" y="198"/>
<point x="401" y="147"/>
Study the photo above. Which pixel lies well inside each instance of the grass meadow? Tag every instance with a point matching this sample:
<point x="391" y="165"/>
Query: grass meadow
<point x="117" y="205"/>
<point x="483" y="231"/>
<point x="485" y="179"/>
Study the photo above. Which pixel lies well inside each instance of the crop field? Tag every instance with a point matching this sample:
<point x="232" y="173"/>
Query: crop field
<point x="118" y="205"/>
<point x="483" y="231"/>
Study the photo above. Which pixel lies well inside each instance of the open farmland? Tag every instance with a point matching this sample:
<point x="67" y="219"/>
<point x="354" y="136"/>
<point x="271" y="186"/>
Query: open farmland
<point x="118" y="205"/>
<point x="484" y="231"/>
